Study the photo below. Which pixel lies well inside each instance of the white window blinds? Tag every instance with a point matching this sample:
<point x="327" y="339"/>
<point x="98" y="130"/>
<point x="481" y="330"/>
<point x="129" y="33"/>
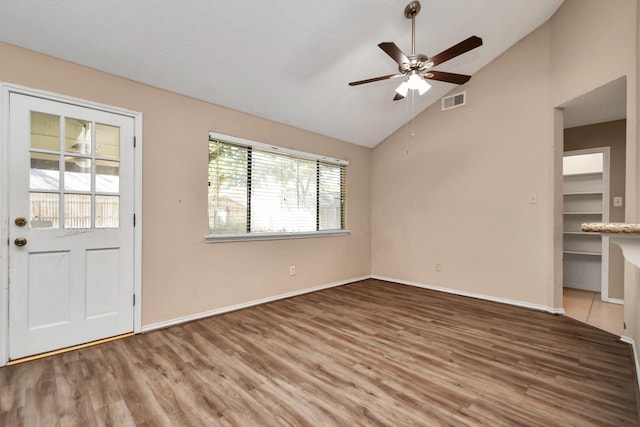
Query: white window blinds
<point x="259" y="189"/>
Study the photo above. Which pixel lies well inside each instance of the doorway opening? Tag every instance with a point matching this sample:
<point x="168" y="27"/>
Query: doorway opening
<point x="591" y="187"/>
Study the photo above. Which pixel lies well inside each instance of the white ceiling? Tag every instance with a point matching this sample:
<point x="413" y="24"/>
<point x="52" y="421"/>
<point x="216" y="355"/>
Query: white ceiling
<point x="285" y="60"/>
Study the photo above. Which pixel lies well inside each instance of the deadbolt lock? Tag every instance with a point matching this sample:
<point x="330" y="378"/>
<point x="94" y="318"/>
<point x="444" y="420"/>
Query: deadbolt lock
<point x="21" y="221"/>
<point x="20" y="241"/>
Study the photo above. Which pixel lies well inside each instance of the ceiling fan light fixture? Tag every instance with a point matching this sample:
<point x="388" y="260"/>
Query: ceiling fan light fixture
<point x="403" y="89"/>
<point x="423" y="86"/>
<point x="414" y="82"/>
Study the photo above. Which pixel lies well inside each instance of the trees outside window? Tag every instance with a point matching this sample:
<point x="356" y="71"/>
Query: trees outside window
<point x="257" y="190"/>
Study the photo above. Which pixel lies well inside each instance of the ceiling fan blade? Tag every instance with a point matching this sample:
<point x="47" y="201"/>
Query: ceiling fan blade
<point x="375" y="79"/>
<point x="398" y="97"/>
<point x="462" y="47"/>
<point x="442" y="76"/>
<point x="394" y="52"/>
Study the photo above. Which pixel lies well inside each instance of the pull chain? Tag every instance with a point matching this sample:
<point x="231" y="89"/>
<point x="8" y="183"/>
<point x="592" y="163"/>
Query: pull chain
<point x="413" y="110"/>
<point x="410" y="126"/>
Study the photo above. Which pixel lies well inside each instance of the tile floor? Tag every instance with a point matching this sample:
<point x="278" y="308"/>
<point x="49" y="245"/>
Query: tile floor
<point x="587" y="307"/>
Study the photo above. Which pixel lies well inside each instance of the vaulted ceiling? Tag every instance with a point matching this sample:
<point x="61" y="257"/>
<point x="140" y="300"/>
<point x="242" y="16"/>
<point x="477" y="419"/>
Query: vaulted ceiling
<point x="284" y="60"/>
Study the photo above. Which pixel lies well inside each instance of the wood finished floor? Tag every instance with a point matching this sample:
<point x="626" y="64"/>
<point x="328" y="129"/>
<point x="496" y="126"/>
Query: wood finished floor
<point x="368" y="353"/>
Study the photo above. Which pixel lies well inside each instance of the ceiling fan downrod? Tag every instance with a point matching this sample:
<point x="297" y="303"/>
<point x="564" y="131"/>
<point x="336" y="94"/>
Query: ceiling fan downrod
<point x="410" y="12"/>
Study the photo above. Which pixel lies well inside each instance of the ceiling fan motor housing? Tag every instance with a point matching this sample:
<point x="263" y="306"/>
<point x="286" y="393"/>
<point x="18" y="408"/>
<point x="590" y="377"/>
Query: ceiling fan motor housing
<point x="418" y="62"/>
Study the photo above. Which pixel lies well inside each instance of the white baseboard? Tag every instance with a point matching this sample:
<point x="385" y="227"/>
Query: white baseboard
<point x="613" y="300"/>
<point x="202" y="315"/>
<point x="474" y="295"/>
<point x="179" y="320"/>
<point x="635" y="355"/>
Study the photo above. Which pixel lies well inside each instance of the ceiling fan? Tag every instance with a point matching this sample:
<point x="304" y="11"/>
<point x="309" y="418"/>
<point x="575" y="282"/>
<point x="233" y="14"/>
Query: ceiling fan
<point x="418" y="66"/>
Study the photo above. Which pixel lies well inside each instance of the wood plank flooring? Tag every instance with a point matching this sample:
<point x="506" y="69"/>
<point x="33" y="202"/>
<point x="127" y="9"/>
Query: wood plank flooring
<point x="367" y="353"/>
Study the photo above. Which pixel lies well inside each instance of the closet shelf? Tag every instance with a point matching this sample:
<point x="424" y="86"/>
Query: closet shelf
<point x="597" y="254"/>
<point x="582" y="213"/>
<point x="568" y="176"/>
<point x="583" y="193"/>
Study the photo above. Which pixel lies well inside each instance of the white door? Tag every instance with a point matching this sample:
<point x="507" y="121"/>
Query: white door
<point x="71" y="233"/>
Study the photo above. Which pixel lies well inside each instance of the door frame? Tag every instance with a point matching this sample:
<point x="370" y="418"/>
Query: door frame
<point x="6" y="89"/>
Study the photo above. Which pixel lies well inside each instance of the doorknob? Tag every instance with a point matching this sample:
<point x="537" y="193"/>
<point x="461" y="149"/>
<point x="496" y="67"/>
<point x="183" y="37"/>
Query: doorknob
<point x="20" y="241"/>
<point x="21" y="221"/>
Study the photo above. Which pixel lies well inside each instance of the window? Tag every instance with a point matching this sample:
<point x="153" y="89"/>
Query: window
<point x="259" y="191"/>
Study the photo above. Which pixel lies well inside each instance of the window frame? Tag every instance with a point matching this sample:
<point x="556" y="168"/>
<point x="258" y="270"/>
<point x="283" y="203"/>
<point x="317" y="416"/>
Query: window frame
<point x="252" y="236"/>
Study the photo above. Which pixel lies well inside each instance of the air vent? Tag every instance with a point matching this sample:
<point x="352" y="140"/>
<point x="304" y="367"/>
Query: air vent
<point x="454" y="101"/>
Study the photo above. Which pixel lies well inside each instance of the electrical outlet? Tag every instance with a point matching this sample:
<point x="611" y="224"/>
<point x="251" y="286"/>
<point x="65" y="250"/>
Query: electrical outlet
<point x="438" y="267"/>
<point x="292" y="270"/>
<point x="617" y="201"/>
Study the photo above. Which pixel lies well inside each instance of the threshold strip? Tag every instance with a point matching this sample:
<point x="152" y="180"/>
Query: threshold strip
<point x="67" y="349"/>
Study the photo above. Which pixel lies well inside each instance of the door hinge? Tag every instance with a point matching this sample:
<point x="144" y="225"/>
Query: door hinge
<point x="134" y="220"/>
<point x="134" y="299"/>
<point x="134" y="142"/>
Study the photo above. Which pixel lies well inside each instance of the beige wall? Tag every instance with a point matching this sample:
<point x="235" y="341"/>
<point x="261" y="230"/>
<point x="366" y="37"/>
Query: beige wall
<point x="613" y="135"/>
<point x="588" y="29"/>
<point x="181" y="275"/>
<point x="460" y="197"/>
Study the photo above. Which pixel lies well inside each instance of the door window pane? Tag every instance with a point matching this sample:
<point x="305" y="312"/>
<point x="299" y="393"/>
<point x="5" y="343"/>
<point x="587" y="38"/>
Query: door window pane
<point x="77" y="174"/>
<point x="107" y="176"/>
<point x="85" y="176"/>
<point x="77" y="137"/>
<point x="45" y="210"/>
<point x="45" y="172"/>
<point x="107" y="211"/>
<point x="107" y="141"/>
<point x="77" y="211"/>
<point x="45" y="131"/>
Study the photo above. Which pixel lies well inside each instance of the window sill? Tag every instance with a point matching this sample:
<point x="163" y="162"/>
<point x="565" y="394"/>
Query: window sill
<point x="220" y="238"/>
